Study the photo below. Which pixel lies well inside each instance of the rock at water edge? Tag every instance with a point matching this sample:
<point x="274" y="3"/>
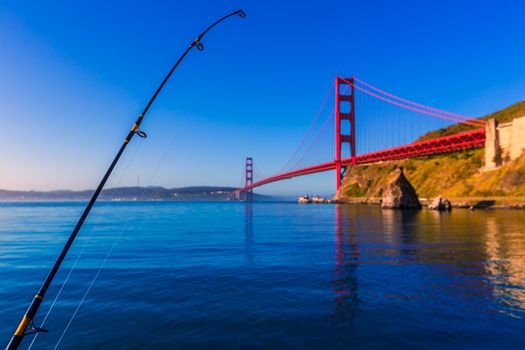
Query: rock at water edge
<point x="441" y="204"/>
<point x="399" y="193"/>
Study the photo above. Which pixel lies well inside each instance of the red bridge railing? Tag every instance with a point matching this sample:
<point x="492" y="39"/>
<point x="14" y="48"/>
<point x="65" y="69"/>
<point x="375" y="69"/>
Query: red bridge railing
<point x="452" y="143"/>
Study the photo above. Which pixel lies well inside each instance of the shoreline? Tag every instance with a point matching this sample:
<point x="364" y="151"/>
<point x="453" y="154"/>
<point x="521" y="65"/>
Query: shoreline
<point x="472" y="203"/>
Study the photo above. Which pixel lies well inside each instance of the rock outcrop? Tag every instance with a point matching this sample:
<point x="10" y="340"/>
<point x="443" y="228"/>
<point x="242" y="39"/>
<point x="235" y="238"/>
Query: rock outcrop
<point x="399" y="193"/>
<point x="441" y="204"/>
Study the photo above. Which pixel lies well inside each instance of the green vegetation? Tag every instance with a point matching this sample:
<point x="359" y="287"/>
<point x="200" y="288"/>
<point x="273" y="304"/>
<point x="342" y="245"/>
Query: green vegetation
<point x="454" y="175"/>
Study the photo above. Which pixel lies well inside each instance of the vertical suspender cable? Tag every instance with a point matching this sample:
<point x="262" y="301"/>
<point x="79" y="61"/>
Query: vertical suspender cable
<point x="29" y="316"/>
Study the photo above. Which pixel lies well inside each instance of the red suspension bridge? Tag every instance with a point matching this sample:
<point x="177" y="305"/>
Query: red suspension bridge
<point x="371" y="126"/>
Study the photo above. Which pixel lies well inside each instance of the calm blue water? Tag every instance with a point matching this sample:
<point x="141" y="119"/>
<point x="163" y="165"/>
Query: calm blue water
<point x="267" y="275"/>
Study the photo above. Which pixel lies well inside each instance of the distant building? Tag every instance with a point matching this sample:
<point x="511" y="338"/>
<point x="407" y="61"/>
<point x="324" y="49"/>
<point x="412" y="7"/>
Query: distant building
<point x="503" y="142"/>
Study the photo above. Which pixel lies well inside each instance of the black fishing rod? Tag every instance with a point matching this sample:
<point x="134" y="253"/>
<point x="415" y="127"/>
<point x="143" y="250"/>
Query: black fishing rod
<point x="27" y="320"/>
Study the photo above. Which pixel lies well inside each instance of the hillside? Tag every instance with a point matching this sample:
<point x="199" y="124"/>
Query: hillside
<point x="455" y="175"/>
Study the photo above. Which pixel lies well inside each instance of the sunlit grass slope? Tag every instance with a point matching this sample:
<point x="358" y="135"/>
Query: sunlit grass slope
<point x="455" y="175"/>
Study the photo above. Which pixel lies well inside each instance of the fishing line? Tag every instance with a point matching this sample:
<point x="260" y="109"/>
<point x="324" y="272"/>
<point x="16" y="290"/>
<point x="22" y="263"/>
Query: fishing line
<point x="29" y="315"/>
<point x="131" y="161"/>
<point x="110" y="251"/>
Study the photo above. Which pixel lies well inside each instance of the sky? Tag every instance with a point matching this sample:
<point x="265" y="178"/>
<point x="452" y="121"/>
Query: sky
<point x="75" y="74"/>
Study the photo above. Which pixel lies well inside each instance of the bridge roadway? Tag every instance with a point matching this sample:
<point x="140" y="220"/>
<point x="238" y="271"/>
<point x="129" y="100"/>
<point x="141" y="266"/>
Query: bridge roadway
<point x="446" y="144"/>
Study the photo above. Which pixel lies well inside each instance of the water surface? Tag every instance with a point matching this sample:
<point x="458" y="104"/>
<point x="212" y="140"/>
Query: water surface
<point x="267" y="275"/>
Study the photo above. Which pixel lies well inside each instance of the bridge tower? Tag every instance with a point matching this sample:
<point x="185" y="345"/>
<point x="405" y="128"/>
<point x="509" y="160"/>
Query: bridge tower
<point x="344" y="125"/>
<point x="248" y="179"/>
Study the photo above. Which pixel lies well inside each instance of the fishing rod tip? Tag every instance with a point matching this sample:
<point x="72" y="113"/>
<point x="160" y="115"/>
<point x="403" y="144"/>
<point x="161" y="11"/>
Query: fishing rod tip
<point x="241" y="13"/>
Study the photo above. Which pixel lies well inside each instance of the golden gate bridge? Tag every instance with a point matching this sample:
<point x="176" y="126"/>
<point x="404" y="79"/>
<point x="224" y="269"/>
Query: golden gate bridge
<point x="367" y="125"/>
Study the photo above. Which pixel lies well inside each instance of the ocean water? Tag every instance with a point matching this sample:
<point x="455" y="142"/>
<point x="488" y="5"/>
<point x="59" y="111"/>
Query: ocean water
<point x="266" y="276"/>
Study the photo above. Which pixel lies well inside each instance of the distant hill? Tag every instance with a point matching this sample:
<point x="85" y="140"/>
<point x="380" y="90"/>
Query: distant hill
<point x="194" y="193"/>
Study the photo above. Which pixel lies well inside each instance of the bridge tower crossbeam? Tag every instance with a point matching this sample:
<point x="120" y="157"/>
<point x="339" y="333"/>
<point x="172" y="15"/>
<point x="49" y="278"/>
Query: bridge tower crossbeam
<point x="344" y="131"/>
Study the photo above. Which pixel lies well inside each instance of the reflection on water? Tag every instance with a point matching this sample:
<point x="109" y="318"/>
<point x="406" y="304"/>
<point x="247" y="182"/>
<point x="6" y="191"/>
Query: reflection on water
<point x="248" y="230"/>
<point x="345" y="283"/>
<point x="400" y="227"/>
<point x="505" y="263"/>
<point x="482" y="253"/>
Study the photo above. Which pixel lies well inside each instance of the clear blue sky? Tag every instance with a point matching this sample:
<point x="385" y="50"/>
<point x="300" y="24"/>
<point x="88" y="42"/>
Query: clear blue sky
<point x="74" y="75"/>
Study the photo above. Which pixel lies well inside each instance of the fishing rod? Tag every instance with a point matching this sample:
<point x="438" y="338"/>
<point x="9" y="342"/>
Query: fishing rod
<point x="27" y="320"/>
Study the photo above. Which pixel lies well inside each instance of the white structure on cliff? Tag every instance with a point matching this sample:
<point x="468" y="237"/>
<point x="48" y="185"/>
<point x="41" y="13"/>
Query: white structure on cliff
<point x="504" y="141"/>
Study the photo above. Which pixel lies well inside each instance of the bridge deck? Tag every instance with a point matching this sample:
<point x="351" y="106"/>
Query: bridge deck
<point x="446" y="144"/>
